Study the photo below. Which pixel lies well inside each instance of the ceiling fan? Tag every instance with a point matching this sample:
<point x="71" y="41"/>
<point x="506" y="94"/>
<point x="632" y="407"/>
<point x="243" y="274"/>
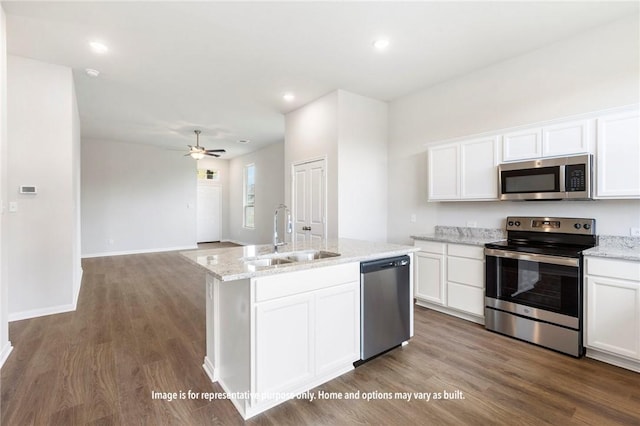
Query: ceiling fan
<point x="198" y="152"/>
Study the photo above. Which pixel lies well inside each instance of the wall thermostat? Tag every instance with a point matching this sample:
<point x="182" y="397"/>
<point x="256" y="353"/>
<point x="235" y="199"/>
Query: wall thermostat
<point x="26" y="189"/>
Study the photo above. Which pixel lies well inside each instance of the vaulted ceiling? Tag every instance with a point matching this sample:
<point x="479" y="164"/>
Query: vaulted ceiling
<point x="223" y="67"/>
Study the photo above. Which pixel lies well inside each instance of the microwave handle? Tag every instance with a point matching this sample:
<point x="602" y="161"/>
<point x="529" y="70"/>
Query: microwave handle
<point x="561" y="178"/>
<point x="532" y="257"/>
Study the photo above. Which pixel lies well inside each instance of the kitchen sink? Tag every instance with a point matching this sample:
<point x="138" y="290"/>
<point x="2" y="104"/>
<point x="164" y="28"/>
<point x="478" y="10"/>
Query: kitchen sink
<point x="287" y="258"/>
<point x="308" y="255"/>
<point x="268" y="261"/>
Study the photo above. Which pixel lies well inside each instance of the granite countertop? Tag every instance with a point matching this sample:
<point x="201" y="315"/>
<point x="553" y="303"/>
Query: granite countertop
<point x="460" y="235"/>
<point x="228" y="264"/>
<point x="616" y="247"/>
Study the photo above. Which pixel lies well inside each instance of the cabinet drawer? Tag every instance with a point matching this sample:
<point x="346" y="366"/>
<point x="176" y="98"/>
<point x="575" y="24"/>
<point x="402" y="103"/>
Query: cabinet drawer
<point x="462" y="250"/>
<point x="280" y="285"/>
<point x="431" y="246"/>
<point x="626" y="270"/>
<point x="466" y="298"/>
<point x="465" y="271"/>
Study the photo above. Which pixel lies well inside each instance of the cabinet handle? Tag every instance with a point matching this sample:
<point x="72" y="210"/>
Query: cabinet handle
<point x="306" y="228"/>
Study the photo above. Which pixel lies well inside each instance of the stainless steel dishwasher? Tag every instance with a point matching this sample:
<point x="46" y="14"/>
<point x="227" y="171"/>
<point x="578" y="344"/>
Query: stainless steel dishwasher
<point x="385" y="304"/>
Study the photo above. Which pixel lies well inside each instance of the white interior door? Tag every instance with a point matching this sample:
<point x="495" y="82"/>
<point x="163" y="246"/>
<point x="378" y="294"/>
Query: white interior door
<point x="209" y="215"/>
<point x="309" y="201"/>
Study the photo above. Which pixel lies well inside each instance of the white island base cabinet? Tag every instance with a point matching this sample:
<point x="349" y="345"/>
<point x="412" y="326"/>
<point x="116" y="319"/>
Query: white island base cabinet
<point x="613" y="311"/>
<point x="271" y="338"/>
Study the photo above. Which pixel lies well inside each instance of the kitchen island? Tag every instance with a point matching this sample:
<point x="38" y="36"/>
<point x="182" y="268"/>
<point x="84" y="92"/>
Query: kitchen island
<point x="280" y="324"/>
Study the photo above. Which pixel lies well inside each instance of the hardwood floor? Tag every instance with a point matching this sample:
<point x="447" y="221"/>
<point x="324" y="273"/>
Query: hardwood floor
<point x="139" y="327"/>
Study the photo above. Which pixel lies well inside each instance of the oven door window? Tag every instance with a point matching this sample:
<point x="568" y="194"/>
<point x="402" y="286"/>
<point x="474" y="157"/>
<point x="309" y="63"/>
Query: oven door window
<point x="545" y="286"/>
<point x="543" y="179"/>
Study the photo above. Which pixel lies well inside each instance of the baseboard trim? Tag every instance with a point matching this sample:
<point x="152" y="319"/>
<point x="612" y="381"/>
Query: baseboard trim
<point x="34" y="313"/>
<point x="616" y="360"/>
<point x="143" y="251"/>
<point x="210" y="370"/>
<point x="450" y="311"/>
<point x="4" y="353"/>
<point x="240" y="243"/>
<point x="77" y="291"/>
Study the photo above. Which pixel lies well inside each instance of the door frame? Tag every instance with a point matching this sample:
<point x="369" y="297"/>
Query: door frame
<point x="326" y="192"/>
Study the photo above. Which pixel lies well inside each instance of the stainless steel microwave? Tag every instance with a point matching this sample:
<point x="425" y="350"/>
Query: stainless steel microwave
<point x="561" y="178"/>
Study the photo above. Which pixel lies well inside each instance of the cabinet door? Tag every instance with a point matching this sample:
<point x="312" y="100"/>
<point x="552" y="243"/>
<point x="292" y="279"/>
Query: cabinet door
<point x="465" y="271"/>
<point x="571" y="137"/>
<point x="429" y="278"/>
<point x="444" y="172"/>
<point x="465" y="298"/>
<point x="337" y="327"/>
<point x="618" y="153"/>
<point x="284" y="343"/>
<point x="522" y="145"/>
<point x="613" y="316"/>
<point x="479" y="173"/>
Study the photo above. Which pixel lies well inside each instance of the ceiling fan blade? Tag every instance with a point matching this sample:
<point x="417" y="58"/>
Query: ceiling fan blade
<point x="211" y="154"/>
<point x="215" y="150"/>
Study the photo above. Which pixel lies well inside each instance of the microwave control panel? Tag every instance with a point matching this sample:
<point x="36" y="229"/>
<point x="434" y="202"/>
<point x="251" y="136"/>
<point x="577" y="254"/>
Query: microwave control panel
<point x="575" y="178"/>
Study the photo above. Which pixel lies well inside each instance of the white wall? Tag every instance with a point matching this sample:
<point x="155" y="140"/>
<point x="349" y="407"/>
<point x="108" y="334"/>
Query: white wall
<point x="269" y="191"/>
<point x="590" y="72"/>
<point x="362" y="167"/>
<point x="136" y="198"/>
<point x="42" y="236"/>
<point x="5" y="344"/>
<point x="350" y="131"/>
<point x="311" y="133"/>
<point x="222" y="166"/>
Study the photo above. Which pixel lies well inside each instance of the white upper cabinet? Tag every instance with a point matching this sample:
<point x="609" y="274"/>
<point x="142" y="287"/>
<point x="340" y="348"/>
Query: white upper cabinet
<point x="571" y="137"/>
<point x="522" y="145"/>
<point x="563" y="138"/>
<point x="479" y="173"/>
<point x="444" y="172"/>
<point x="618" y="155"/>
<point x="464" y="170"/>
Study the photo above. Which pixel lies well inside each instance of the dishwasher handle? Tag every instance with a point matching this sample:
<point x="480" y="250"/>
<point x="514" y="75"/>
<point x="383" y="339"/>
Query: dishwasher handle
<point x="380" y="264"/>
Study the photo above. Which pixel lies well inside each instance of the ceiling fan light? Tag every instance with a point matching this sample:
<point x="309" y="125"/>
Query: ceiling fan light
<point x="197" y="155"/>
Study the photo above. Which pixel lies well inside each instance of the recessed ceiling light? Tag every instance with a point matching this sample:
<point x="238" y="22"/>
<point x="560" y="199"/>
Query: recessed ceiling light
<point x="98" y="47"/>
<point x="243" y="141"/>
<point x="381" y="43"/>
<point x="288" y="97"/>
<point x="91" y="72"/>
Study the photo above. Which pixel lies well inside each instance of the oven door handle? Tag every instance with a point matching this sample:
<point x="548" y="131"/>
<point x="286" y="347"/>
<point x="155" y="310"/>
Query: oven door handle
<point x="532" y="257"/>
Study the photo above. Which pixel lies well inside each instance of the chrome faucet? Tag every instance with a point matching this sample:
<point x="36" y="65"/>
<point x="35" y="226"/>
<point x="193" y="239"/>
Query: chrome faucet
<point x="288" y="227"/>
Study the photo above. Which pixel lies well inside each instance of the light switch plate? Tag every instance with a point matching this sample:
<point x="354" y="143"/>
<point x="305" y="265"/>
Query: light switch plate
<point x="13" y="206"/>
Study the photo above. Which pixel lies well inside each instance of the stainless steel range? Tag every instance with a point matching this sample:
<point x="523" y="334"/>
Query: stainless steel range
<point x="534" y="286"/>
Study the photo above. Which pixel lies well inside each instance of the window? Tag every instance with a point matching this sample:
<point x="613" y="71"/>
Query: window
<point x="249" y="195"/>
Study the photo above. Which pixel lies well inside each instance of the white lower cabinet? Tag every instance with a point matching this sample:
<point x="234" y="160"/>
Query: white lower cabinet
<point x="337" y="327"/>
<point x="613" y="311"/>
<point x="272" y="337"/>
<point x="284" y="342"/>
<point x="450" y="278"/>
<point x="429" y="273"/>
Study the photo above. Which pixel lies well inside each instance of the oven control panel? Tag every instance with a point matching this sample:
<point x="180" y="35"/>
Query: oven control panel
<point x="564" y="225"/>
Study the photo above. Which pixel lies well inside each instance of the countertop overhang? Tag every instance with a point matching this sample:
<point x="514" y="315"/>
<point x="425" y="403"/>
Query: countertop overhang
<point x="229" y="263"/>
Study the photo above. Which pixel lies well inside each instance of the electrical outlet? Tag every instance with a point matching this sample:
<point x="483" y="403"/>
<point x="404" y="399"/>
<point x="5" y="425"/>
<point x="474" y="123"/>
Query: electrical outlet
<point x="413" y="219"/>
<point x="472" y="224"/>
<point x="13" y="206"/>
<point x="635" y="232"/>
